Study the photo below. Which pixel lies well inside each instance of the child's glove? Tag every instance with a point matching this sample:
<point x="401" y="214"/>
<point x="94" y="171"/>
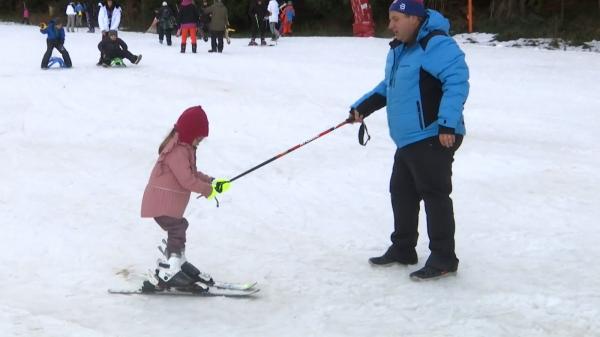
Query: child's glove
<point x="219" y="186"/>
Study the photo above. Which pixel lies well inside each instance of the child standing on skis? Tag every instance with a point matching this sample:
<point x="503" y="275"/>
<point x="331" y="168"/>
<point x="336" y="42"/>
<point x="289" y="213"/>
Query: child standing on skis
<point x="167" y="194"/>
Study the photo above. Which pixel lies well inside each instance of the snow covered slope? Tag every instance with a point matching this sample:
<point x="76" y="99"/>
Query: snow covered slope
<point x="77" y="147"/>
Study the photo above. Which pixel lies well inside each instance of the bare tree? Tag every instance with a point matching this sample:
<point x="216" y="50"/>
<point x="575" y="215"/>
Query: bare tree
<point x="439" y="5"/>
<point x="508" y="9"/>
<point x="523" y="8"/>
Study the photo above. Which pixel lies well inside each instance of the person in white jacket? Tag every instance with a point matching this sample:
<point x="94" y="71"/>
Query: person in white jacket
<point x="71" y="17"/>
<point x="273" y="9"/>
<point x="109" y="18"/>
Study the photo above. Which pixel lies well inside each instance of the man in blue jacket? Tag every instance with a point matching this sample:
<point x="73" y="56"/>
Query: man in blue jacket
<point x="56" y="39"/>
<point x="425" y="88"/>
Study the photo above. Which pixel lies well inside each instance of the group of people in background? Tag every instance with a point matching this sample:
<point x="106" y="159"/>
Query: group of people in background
<point x="190" y="20"/>
<point x="186" y="20"/>
<point x="112" y="49"/>
<point x="76" y="11"/>
<point x="270" y="16"/>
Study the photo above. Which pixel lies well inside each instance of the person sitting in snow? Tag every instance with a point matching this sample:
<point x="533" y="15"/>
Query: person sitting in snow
<point x="56" y="39"/>
<point x="167" y="194"/>
<point x="109" y="18"/>
<point x="114" y="47"/>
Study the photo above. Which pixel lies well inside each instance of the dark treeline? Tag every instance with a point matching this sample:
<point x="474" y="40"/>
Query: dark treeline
<point x="571" y="19"/>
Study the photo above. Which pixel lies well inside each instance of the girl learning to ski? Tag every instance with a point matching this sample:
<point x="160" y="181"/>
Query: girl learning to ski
<point x="167" y="194"/>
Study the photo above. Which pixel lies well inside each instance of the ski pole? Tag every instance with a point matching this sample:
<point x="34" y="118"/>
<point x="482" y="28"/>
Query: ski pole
<point x="282" y="154"/>
<point x="289" y="150"/>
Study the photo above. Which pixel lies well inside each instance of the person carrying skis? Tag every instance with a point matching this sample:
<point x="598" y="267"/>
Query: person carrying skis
<point x="218" y="25"/>
<point x="114" y="47"/>
<point x="56" y="39"/>
<point x="167" y="194"/>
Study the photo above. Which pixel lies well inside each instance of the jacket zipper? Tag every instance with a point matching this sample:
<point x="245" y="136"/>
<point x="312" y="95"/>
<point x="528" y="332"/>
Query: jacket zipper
<point x="395" y="68"/>
<point x="420" y="115"/>
<point x="392" y="75"/>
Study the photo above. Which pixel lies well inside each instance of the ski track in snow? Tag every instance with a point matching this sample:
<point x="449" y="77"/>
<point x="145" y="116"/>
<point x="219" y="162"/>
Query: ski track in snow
<point x="78" y="146"/>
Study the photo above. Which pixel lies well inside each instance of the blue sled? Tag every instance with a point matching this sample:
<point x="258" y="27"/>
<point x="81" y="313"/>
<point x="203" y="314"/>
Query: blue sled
<point x="56" y="60"/>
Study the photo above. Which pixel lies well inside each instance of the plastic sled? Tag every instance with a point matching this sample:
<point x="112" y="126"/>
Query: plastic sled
<point x="56" y="60"/>
<point x="117" y="62"/>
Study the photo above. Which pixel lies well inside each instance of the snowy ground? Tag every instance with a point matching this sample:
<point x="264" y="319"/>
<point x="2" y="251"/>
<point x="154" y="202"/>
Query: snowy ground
<point x="537" y="43"/>
<point x="77" y="147"/>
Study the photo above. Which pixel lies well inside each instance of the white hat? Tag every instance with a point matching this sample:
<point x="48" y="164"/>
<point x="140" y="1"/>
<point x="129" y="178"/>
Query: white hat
<point x="164" y="3"/>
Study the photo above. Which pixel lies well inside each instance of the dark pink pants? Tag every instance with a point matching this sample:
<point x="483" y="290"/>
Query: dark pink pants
<point x="175" y="229"/>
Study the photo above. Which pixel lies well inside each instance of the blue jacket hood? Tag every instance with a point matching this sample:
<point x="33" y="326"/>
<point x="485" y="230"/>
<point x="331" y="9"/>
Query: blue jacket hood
<point x="433" y="21"/>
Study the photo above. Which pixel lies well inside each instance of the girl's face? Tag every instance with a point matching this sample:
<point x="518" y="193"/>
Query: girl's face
<point x="197" y="141"/>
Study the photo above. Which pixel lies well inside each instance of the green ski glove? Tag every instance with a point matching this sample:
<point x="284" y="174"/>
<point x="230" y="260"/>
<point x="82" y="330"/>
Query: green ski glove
<point x="219" y="186"/>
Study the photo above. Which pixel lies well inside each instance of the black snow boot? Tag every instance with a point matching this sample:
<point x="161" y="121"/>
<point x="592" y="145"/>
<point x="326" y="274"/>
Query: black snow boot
<point x="392" y="255"/>
<point x="196" y="275"/>
<point x="183" y="48"/>
<point x="194" y="48"/>
<point x="430" y="273"/>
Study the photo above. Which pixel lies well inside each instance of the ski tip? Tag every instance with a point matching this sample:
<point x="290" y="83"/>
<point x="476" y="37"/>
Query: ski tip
<point x="250" y="285"/>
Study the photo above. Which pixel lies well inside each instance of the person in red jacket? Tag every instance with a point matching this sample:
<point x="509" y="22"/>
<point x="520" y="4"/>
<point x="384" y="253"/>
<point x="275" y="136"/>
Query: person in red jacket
<point x="287" y="18"/>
